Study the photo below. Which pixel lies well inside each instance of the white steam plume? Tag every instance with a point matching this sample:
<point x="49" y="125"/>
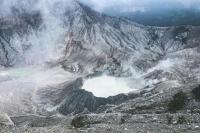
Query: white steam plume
<point x="47" y="43"/>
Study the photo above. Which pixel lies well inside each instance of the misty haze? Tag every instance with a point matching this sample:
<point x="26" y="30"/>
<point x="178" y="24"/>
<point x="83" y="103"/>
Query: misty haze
<point x="93" y="66"/>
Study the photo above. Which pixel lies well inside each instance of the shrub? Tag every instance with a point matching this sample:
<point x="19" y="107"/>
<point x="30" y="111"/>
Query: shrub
<point x="196" y="93"/>
<point x="178" y="102"/>
<point x="180" y="29"/>
<point x="84" y="121"/>
<point x="169" y="119"/>
<point x="181" y="120"/>
<point x="79" y="121"/>
<point x="122" y="121"/>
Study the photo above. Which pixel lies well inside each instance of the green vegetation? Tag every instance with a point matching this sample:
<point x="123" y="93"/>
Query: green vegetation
<point x="179" y="29"/>
<point x="79" y="121"/>
<point x="83" y="121"/>
<point x="123" y="120"/>
<point x="181" y="120"/>
<point x="178" y="102"/>
<point x="169" y="119"/>
<point x="177" y="33"/>
<point x="196" y="93"/>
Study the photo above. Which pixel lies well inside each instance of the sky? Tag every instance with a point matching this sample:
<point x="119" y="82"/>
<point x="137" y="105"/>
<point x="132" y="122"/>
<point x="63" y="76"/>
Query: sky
<point x="110" y="5"/>
<point x="138" y="5"/>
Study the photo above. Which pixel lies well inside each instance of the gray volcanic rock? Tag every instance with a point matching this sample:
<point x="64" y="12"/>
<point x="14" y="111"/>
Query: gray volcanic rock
<point x="76" y="100"/>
